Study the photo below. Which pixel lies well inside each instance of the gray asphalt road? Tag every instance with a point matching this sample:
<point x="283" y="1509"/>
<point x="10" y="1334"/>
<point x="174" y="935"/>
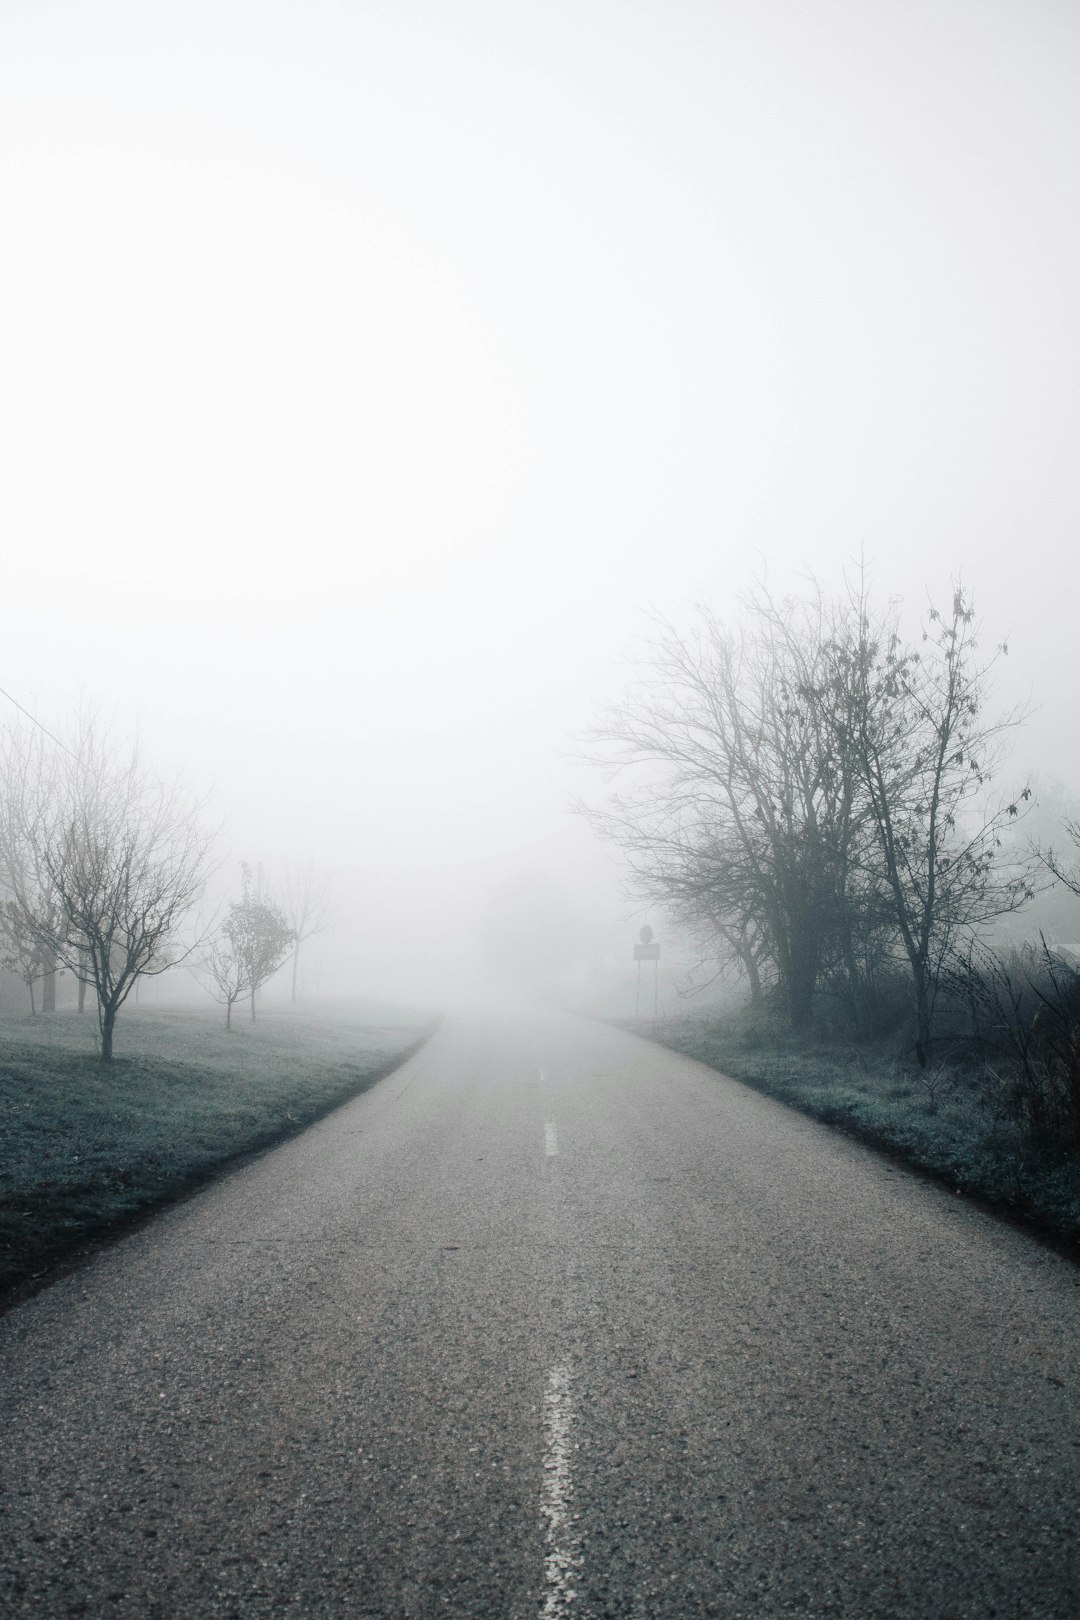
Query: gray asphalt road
<point x="551" y="1322"/>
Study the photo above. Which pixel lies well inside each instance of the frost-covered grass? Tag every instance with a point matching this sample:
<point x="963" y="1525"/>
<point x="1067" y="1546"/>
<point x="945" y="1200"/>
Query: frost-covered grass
<point x="954" y="1121"/>
<point x="84" y="1148"/>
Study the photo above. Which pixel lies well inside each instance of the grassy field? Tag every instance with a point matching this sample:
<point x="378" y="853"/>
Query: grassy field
<point x="84" y="1149"/>
<point x="954" y="1122"/>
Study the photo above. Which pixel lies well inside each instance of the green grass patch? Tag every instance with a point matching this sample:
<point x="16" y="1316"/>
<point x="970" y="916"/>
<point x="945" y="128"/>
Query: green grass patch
<point x="956" y="1123"/>
<point x="84" y="1148"/>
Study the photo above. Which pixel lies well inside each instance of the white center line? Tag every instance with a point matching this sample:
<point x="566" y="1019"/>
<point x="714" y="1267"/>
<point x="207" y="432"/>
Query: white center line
<point x="551" y="1141"/>
<point x="562" y="1556"/>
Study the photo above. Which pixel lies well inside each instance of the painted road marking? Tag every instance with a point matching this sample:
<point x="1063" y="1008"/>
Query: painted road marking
<point x="562" y="1556"/>
<point x="551" y="1141"/>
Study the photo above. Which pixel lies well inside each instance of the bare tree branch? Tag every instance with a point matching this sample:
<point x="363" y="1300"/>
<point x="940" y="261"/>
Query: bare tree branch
<point x="307" y="897"/>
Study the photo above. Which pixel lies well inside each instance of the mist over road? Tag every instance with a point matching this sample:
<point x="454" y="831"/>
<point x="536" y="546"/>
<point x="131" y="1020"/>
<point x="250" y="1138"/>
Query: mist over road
<point x="550" y="1322"/>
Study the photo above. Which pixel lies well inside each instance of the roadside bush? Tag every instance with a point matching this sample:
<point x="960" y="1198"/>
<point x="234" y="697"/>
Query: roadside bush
<point x="1025" y="1012"/>
<point x="882" y="1010"/>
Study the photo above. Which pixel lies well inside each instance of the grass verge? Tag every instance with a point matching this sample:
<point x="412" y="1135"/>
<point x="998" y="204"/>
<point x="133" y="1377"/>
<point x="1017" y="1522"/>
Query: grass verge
<point x="84" y="1150"/>
<point x="954" y="1123"/>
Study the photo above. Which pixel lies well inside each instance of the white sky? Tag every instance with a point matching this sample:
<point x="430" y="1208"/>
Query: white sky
<point x="366" y="369"/>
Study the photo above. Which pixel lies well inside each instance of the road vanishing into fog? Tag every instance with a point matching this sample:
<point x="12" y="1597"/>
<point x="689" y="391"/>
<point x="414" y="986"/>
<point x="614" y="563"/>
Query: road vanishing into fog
<point x="550" y="1322"/>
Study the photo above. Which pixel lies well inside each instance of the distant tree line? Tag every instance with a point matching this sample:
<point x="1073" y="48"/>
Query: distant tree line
<point x="812" y="795"/>
<point x="103" y="865"/>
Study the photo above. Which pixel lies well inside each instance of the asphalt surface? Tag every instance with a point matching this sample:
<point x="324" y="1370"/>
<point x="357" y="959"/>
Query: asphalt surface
<point x="550" y="1322"/>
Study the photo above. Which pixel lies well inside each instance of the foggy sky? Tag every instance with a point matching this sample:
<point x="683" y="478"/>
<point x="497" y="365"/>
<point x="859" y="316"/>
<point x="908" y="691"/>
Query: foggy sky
<point x="366" y="371"/>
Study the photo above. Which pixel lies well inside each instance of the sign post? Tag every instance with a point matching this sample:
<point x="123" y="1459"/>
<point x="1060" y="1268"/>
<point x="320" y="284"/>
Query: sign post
<point x="647" y="950"/>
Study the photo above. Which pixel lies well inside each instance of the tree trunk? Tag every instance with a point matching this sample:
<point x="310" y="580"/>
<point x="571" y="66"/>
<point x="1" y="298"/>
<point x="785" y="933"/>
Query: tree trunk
<point x="48" y="987"/>
<point x="753" y="974"/>
<point x="800" y="1000"/>
<point x="857" y="996"/>
<point x="228" y="1014"/>
<point x="108" y="1019"/>
<point x="82" y="995"/>
<point x="922" y="1019"/>
<point x="294" y="996"/>
<point x="801" y="977"/>
<point x="33" y="1004"/>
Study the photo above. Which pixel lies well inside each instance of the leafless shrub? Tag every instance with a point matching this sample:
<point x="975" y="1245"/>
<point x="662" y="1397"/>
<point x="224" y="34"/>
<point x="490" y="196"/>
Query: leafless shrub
<point x="1025" y="1008"/>
<point x="935" y="1082"/>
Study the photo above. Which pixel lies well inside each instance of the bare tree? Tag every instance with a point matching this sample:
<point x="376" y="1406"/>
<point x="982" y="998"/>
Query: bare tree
<point x="20" y="951"/>
<point x="744" y="812"/>
<point x="30" y="912"/>
<point x="254" y="941"/>
<point x="222" y="969"/>
<point x="124" y="859"/>
<point x="926" y="756"/>
<point x="813" y="792"/>
<point x="308" y="904"/>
